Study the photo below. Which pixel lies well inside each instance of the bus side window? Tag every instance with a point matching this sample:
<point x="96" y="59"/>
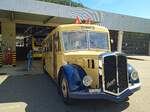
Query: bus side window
<point x="57" y="42"/>
<point x="46" y="50"/>
<point x="50" y="44"/>
<point x="44" y="47"/>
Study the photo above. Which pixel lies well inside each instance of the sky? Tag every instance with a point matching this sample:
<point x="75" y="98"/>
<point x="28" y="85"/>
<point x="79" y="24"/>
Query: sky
<point x="138" y="8"/>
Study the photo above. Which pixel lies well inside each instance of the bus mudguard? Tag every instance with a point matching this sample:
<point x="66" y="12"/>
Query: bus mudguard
<point x="74" y="75"/>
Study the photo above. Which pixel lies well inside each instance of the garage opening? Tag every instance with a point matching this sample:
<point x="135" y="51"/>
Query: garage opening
<point x="30" y="37"/>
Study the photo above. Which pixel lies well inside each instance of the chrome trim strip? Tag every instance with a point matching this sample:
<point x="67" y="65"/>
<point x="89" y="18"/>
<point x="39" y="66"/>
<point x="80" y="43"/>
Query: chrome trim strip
<point x="135" y="86"/>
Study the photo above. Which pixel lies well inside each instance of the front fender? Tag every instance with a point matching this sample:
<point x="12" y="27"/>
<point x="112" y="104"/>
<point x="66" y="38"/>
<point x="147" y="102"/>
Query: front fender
<point x="74" y="75"/>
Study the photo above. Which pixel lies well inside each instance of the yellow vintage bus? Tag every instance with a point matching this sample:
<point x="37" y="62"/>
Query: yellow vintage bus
<point x="78" y="58"/>
<point x="37" y="47"/>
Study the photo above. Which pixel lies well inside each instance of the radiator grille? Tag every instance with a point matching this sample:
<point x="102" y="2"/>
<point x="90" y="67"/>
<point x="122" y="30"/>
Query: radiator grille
<point x="115" y="73"/>
<point x="110" y="78"/>
<point x="122" y="73"/>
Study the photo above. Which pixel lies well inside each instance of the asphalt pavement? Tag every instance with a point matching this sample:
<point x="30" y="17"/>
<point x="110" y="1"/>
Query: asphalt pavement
<point x="34" y="91"/>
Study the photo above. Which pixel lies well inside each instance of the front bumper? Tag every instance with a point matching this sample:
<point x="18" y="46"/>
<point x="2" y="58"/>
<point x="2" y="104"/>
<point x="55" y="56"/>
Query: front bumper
<point x="103" y="95"/>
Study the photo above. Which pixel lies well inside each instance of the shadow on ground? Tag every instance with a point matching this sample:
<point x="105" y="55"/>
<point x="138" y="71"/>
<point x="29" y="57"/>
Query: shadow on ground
<point x="40" y="93"/>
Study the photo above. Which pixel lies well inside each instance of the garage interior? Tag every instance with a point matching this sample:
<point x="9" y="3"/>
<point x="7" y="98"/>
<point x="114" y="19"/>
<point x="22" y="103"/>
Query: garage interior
<point x="25" y="33"/>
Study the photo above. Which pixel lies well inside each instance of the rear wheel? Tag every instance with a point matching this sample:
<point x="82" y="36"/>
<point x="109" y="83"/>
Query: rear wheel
<point x="64" y="90"/>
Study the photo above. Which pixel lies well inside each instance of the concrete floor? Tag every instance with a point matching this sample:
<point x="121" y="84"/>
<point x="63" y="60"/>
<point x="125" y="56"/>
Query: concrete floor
<point x="35" y="92"/>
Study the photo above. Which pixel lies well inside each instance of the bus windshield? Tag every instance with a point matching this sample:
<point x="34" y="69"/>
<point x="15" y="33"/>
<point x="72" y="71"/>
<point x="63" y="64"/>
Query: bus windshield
<point x="98" y="40"/>
<point x="82" y="40"/>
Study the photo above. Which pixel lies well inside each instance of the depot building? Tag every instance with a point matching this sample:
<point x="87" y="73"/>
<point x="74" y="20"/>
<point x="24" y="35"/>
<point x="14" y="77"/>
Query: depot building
<point x="26" y="18"/>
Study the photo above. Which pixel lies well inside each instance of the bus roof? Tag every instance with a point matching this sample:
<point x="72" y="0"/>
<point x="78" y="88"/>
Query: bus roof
<point x="86" y="26"/>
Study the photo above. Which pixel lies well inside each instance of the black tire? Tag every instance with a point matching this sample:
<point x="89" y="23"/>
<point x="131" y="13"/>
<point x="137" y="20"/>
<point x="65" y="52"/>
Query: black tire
<point x="65" y="96"/>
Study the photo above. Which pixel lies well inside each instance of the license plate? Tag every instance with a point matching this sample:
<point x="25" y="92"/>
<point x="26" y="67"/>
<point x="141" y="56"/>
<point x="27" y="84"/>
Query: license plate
<point x="94" y="91"/>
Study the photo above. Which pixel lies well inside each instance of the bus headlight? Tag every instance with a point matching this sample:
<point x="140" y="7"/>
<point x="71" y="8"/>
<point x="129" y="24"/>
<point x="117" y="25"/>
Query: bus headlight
<point x="134" y="75"/>
<point x="87" y="80"/>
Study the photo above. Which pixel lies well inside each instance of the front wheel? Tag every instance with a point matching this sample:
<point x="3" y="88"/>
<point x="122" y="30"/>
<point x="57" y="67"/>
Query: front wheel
<point x="64" y="90"/>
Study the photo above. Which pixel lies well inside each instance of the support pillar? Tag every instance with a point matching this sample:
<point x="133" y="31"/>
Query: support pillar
<point x="8" y="30"/>
<point x="120" y="40"/>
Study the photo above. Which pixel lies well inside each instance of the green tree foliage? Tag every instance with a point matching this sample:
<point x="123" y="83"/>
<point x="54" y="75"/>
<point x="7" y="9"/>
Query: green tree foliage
<point x="65" y="2"/>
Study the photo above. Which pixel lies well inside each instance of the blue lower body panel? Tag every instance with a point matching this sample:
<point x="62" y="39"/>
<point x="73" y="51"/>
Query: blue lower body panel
<point x="103" y="95"/>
